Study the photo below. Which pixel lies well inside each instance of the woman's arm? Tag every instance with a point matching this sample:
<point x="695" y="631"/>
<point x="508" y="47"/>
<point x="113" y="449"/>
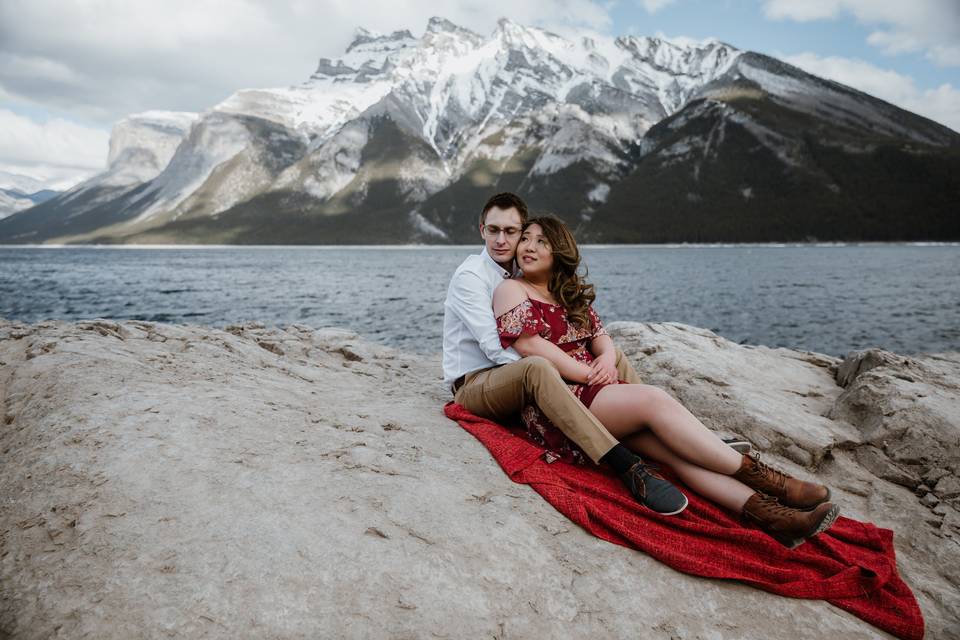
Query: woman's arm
<point x="507" y="296"/>
<point x="602" y="345"/>
<point x="570" y="369"/>
<point x="603" y="370"/>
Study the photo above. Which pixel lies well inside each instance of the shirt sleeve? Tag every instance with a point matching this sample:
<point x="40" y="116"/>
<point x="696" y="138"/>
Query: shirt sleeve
<point x="598" y="329"/>
<point x="522" y="320"/>
<point x="471" y="302"/>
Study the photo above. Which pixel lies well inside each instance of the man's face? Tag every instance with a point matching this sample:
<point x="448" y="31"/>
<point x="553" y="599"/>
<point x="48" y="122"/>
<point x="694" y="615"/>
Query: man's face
<point x="501" y="233"/>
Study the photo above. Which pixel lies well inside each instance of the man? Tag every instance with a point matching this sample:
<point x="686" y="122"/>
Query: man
<point x="497" y="383"/>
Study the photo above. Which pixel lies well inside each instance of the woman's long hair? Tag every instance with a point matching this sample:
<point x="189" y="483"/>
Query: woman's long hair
<point x="566" y="285"/>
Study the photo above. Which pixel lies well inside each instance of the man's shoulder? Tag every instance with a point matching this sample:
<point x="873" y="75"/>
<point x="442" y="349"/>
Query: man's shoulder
<point x="472" y="264"/>
<point x="470" y="269"/>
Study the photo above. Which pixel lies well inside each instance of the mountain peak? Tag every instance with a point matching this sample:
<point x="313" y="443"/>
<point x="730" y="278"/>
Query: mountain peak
<point x="507" y="26"/>
<point x="365" y="36"/>
<point x="515" y="34"/>
<point x="437" y="24"/>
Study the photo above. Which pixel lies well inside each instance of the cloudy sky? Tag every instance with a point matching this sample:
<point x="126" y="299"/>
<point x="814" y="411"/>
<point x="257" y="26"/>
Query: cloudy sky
<point x="70" y="69"/>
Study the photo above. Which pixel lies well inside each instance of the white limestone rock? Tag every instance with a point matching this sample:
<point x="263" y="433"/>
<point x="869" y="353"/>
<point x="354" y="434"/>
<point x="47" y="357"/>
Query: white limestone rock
<point x="290" y="482"/>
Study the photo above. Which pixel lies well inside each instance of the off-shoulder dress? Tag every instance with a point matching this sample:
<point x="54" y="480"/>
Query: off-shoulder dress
<point x="551" y="322"/>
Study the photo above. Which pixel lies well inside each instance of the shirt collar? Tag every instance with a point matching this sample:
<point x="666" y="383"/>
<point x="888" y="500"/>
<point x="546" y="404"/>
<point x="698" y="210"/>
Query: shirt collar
<point x="503" y="272"/>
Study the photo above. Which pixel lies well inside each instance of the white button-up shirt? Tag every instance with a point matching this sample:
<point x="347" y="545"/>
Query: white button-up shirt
<point x="470" y="338"/>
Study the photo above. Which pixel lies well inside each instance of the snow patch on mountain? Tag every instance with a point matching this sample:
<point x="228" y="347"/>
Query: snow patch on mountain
<point x="577" y="139"/>
<point x="787" y="150"/>
<point x="420" y="178"/>
<point x="425" y="227"/>
<point x="599" y="193"/>
<point x="329" y="168"/>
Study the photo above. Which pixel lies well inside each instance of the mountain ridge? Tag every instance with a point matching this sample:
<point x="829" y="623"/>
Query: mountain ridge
<point x="568" y="123"/>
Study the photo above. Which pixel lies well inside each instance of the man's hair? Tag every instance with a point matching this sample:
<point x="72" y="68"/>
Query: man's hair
<point x="505" y="200"/>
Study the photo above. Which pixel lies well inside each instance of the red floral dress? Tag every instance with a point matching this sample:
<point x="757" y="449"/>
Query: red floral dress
<point x="550" y="321"/>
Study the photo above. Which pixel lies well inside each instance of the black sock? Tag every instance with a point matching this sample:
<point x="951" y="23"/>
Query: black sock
<point x="620" y="458"/>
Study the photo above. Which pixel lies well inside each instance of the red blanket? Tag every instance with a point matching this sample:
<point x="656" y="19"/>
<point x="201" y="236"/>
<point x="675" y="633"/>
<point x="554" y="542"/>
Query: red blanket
<point x="852" y="565"/>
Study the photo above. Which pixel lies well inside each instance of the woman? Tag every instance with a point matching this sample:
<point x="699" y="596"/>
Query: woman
<point x="547" y="312"/>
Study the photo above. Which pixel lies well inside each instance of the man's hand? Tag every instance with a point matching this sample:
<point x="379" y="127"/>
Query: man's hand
<point x="603" y="370"/>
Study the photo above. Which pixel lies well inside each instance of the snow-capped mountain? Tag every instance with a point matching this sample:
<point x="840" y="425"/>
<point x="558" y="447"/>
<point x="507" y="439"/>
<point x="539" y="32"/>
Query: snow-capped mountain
<point x="141" y="146"/>
<point x="19" y="192"/>
<point x="402" y="138"/>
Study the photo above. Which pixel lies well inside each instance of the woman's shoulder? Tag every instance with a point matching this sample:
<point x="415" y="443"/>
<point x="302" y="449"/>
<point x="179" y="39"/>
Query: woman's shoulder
<point x="511" y="286"/>
<point x="508" y="295"/>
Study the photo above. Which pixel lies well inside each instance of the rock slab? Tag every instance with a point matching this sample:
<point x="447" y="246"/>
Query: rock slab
<point x="183" y="481"/>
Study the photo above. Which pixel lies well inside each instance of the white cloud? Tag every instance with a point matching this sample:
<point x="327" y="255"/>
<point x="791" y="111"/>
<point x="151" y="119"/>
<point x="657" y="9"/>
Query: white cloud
<point x="931" y="26"/>
<point x="58" y="151"/>
<point x="37" y="68"/>
<point x="103" y="60"/>
<point x="941" y="104"/>
<point x="801" y="10"/>
<point x="652" y="6"/>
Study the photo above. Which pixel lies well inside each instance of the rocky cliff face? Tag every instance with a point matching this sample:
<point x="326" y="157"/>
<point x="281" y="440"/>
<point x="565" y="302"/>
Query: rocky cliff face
<point x="401" y="139"/>
<point x="294" y="482"/>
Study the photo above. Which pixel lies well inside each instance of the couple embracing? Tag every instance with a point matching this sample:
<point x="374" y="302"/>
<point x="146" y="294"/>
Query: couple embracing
<point x="521" y="338"/>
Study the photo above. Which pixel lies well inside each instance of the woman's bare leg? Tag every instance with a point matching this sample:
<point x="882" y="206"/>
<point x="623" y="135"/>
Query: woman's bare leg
<point x="720" y="488"/>
<point x="626" y="409"/>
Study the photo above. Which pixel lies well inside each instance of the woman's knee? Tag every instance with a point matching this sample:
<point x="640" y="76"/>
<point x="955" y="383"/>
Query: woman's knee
<point x="645" y="402"/>
<point x="646" y="394"/>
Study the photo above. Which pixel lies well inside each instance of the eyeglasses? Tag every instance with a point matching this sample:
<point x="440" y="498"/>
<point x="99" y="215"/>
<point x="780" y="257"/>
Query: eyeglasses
<point x="492" y="231"/>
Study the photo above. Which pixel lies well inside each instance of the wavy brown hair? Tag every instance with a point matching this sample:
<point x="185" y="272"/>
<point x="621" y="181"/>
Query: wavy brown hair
<point x="567" y="286"/>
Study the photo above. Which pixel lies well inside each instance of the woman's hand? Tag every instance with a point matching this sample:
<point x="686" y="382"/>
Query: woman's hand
<point x="603" y="369"/>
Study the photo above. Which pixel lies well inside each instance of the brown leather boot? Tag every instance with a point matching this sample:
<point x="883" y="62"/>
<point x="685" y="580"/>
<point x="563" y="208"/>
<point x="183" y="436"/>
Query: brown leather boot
<point x="789" y="527"/>
<point x="787" y="489"/>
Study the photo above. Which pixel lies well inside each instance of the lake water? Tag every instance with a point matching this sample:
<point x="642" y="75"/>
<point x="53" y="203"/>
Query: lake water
<point x="831" y="299"/>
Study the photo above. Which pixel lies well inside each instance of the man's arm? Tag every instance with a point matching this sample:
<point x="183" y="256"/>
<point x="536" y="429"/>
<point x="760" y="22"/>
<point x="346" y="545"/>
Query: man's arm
<point x="470" y="301"/>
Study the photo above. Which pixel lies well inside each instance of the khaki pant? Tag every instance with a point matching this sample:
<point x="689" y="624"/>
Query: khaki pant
<point x="501" y="392"/>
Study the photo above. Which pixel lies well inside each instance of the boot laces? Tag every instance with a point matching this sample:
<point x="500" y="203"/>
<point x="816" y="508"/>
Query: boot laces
<point x="773" y="506"/>
<point x="761" y="469"/>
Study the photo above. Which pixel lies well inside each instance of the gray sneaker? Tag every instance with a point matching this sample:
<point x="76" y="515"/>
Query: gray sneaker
<point x="740" y="445"/>
<point x="652" y="491"/>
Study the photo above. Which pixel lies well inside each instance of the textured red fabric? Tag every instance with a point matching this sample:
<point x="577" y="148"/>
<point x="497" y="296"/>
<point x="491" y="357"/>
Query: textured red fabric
<point x="852" y="565"/>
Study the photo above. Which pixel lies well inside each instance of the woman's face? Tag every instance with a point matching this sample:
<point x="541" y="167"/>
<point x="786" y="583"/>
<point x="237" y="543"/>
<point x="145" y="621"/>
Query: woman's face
<point x="534" y="252"/>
